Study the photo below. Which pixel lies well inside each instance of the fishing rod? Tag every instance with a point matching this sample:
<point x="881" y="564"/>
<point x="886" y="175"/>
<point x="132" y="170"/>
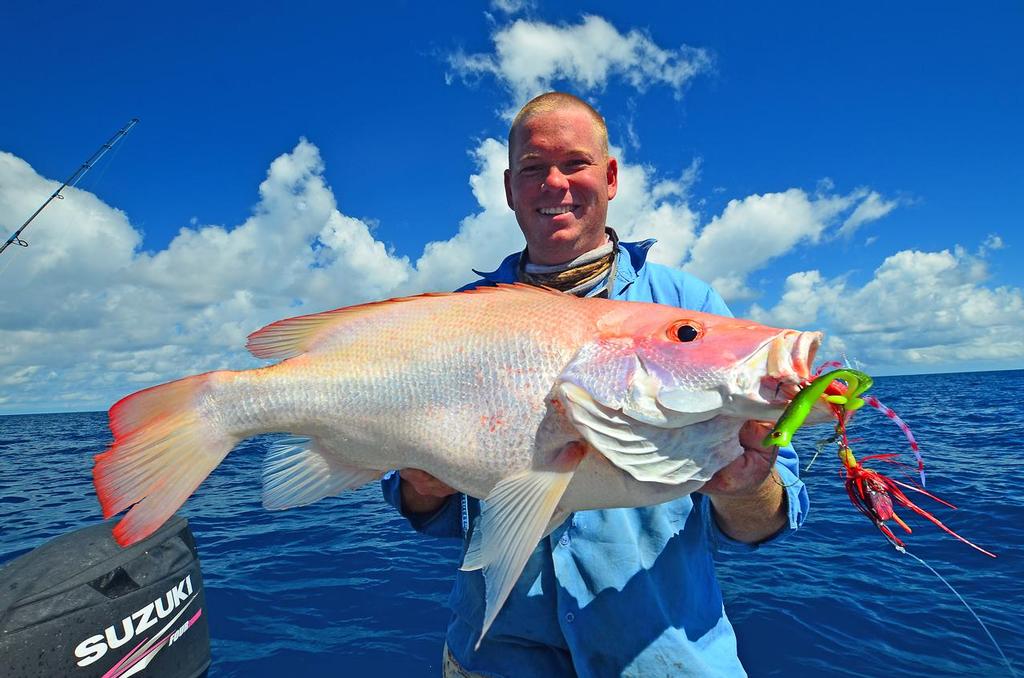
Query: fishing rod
<point x="70" y="181"/>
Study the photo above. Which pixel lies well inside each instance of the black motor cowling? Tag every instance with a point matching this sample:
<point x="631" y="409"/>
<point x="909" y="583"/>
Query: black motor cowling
<point x="80" y="605"/>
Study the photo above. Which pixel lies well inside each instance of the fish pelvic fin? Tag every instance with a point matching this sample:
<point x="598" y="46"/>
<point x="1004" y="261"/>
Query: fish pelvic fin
<point x="299" y="471"/>
<point x="162" y="450"/>
<point x="513" y="518"/>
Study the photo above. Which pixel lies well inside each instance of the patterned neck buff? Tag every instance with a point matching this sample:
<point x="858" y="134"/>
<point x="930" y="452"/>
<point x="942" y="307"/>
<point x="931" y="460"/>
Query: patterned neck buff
<point x="588" y="275"/>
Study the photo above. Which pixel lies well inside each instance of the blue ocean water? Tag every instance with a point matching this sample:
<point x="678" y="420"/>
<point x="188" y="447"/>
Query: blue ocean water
<point x="345" y="585"/>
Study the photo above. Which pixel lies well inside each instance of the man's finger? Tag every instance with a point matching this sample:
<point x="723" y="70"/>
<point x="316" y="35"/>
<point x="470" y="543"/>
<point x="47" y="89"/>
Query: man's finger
<point x="752" y="433"/>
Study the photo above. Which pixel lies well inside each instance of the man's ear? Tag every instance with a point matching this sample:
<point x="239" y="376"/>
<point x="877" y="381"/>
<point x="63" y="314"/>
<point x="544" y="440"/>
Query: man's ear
<point x="508" y="190"/>
<point x="613" y="177"/>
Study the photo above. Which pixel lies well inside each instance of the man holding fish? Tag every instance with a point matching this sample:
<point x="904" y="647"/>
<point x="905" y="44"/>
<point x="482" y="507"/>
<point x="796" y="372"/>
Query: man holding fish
<point x="609" y="591"/>
<point x="493" y="392"/>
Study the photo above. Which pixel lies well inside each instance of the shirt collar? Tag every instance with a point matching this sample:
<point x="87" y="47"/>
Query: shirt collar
<point x="630" y="259"/>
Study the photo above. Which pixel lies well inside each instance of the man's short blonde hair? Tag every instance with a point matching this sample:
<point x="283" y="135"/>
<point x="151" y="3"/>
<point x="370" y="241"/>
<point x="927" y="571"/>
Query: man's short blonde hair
<point x="554" y="101"/>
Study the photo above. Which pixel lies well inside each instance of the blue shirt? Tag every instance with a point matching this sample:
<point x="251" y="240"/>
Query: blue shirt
<point x="615" y="591"/>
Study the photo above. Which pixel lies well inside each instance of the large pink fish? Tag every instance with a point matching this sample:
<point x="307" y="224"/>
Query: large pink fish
<point x="482" y="389"/>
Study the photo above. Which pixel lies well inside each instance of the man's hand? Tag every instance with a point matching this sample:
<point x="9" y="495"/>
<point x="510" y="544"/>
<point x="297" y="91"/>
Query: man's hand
<point x="747" y="495"/>
<point x="747" y="472"/>
<point x="422" y="492"/>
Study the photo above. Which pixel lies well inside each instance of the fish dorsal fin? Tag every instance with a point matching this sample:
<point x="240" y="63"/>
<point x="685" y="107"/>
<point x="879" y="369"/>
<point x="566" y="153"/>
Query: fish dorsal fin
<point x="294" y="336"/>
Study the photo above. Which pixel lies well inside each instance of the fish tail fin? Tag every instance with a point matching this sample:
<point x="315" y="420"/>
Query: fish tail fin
<point x="162" y="450"/>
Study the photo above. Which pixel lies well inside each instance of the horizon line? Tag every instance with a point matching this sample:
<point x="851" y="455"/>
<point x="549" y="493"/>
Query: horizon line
<point x="883" y="376"/>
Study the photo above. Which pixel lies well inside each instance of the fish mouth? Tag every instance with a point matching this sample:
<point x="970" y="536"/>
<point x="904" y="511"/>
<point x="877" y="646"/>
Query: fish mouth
<point x="790" y="355"/>
<point x="786" y="360"/>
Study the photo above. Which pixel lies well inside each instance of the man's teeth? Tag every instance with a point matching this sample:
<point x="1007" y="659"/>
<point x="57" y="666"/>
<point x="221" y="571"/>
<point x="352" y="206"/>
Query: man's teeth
<point x="551" y="211"/>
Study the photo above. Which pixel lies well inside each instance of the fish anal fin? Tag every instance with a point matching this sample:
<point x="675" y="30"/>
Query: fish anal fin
<point x="513" y="518"/>
<point x="298" y="471"/>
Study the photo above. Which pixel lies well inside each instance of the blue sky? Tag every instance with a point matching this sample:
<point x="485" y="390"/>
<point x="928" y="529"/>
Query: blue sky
<point x="850" y="169"/>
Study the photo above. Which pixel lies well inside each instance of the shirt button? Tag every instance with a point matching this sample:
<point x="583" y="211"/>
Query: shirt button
<point x="570" y="617"/>
<point x="564" y="541"/>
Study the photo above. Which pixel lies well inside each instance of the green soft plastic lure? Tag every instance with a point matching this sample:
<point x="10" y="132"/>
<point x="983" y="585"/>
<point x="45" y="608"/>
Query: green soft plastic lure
<point x="872" y="493"/>
<point x="793" y="418"/>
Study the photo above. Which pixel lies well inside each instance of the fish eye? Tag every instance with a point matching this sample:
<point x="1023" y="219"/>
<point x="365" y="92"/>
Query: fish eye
<point x="684" y="331"/>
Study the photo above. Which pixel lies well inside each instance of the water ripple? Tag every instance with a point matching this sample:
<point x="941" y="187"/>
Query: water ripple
<point x="345" y="580"/>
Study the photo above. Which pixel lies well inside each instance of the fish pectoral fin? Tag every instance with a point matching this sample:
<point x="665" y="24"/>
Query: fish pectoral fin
<point x="513" y="518"/>
<point x="648" y="453"/>
<point x="297" y="471"/>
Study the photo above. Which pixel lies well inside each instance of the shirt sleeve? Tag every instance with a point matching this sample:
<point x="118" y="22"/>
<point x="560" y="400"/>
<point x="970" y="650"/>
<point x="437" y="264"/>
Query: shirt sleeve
<point x="444" y="522"/>
<point x="714" y="303"/>
<point x="787" y="464"/>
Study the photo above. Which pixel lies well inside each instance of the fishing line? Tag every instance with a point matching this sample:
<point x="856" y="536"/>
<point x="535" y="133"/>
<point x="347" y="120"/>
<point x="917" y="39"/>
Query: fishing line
<point x="6" y="265"/>
<point x="1009" y="666"/>
<point x="785" y="486"/>
<point x="819" y="447"/>
<point x="94" y="184"/>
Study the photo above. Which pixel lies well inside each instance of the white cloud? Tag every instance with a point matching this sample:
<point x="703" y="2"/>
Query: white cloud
<point x="93" y="317"/>
<point x="483" y="238"/>
<point x="804" y="297"/>
<point x="124" y="318"/>
<point x="632" y="138"/>
<point x="512" y="6"/>
<point x="752" y="231"/>
<point x="78" y="231"/>
<point x="649" y="207"/>
<point x="871" y="208"/>
<point x="991" y="243"/>
<point x="95" y="314"/>
<point x="90" y="317"/>
<point x="920" y="310"/>
<point x="678" y="187"/>
<point x="530" y="56"/>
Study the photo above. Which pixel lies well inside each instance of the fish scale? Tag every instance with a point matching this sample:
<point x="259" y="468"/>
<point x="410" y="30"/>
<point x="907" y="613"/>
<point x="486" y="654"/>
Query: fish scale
<point x="482" y="389"/>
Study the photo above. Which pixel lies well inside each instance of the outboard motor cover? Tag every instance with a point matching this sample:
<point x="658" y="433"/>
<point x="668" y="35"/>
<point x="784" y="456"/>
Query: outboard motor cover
<point x="80" y="605"/>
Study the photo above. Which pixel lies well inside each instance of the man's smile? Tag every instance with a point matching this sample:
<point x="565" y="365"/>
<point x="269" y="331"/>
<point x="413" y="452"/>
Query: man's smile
<point x="554" y="211"/>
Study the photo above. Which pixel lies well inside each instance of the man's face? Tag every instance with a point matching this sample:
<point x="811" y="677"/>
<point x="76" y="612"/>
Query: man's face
<point x="559" y="185"/>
